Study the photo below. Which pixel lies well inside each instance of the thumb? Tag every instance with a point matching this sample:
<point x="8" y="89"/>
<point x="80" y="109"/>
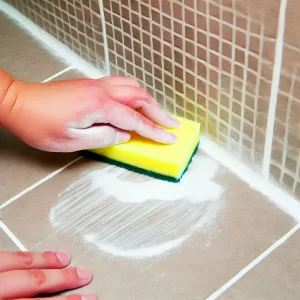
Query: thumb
<point x="98" y="136"/>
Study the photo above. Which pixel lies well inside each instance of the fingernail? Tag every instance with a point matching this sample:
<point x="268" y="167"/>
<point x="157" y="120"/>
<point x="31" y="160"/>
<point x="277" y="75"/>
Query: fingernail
<point x="84" y="274"/>
<point x="170" y="138"/>
<point x="123" y="137"/>
<point x="174" y="123"/>
<point x="63" y="257"/>
<point x="88" y="296"/>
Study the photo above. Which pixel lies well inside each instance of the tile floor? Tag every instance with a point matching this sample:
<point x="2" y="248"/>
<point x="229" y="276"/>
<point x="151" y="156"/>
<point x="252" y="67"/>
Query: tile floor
<point x="245" y="226"/>
<point x="6" y="244"/>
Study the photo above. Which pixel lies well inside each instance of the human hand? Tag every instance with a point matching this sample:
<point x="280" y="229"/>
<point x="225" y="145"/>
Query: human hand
<point x="24" y="275"/>
<point x="72" y="115"/>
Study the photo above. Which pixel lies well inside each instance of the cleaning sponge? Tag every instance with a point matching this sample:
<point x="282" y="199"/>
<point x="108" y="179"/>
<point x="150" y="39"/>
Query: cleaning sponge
<point x="166" y="162"/>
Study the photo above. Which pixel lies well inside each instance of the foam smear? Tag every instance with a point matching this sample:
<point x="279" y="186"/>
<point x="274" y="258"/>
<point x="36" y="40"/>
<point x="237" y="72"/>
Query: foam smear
<point x="131" y="215"/>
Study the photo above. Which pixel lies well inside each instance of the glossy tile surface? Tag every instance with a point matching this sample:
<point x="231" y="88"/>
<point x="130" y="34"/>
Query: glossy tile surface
<point x="245" y="225"/>
<point x="22" y="56"/>
<point x="277" y="277"/>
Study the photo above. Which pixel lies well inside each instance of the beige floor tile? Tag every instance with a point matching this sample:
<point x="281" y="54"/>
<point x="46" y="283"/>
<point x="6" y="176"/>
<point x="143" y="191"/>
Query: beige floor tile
<point x="22" y="166"/>
<point x="244" y="226"/>
<point x="277" y="277"/>
<point x="6" y="243"/>
<point x="22" y="56"/>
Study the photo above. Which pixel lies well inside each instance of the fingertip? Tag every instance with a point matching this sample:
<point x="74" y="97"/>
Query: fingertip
<point x="171" y="138"/>
<point x="171" y="121"/>
<point x="174" y="123"/>
<point x="163" y="136"/>
<point x="88" y="296"/>
<point x="158" y="115"/>
<point x="84" y="275"/>
<point x="63" y="257"/>
<point x="123" y="137"/>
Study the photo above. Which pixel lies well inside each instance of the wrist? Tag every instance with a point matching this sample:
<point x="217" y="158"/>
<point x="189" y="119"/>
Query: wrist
<point x="8" y="96"/>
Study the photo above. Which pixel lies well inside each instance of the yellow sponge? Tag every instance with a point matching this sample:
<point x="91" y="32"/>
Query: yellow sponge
<point x="167" y="162"/>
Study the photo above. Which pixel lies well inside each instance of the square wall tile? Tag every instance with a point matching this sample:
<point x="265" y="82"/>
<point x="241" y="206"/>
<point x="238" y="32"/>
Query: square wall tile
<point x="104" y="216"/>
<point x="22" y="56"/>
<point x="276" y="277"/>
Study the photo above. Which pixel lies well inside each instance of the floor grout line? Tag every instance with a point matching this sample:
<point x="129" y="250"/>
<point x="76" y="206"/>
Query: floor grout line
<point x="59" y="73"/>
<point x="14" y="239"/>
<point x="255" y="262"/>
<point x="30" y="188"/>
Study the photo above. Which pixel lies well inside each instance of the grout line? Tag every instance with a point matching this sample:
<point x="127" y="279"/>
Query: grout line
<point x="231" y="85"/>
<point x="297" y="179"/>
<point x="255" y="262"/>
<point x="274" y="90"/>
<point x="257" y="93"/>
<point x="207" y="23"/>
<point x="287" y="128"/>
<point x="106" y="53"/>
<point x="58" y="74"/>
<point x="12" y="236"/>
<point x="38" y="183"/>
<point x="243" y="90"/>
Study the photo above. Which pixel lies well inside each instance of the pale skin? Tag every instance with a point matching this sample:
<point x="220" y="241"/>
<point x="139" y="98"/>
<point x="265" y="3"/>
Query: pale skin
<point x="67" y="116"/>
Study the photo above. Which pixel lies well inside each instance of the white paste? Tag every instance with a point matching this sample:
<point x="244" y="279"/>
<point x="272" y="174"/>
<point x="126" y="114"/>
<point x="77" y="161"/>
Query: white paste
<point x="131" y="215"/>
<point x="128" y="191"/>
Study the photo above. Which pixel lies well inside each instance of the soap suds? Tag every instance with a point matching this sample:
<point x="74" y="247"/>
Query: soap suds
<point x="131" y="215"/>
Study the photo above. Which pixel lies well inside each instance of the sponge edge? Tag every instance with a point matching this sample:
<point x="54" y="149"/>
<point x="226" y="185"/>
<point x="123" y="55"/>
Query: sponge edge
<point x="141" y="155"/>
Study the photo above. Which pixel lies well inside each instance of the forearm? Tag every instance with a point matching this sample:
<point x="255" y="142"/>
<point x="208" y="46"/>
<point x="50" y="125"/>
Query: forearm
<point x="7" y="96"/>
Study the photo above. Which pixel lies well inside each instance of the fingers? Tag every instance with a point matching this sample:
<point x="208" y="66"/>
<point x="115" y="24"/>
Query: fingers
<point x="98" y="136"/>
<point x="118" y="80"/>
<point x="28" y="260"/>
<point x="128" y="119"/>
<point x="138" y="98"/>
<point x="28" y="283"/>
<point x="83" y="296"/>
<point x="156" y="114"/>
